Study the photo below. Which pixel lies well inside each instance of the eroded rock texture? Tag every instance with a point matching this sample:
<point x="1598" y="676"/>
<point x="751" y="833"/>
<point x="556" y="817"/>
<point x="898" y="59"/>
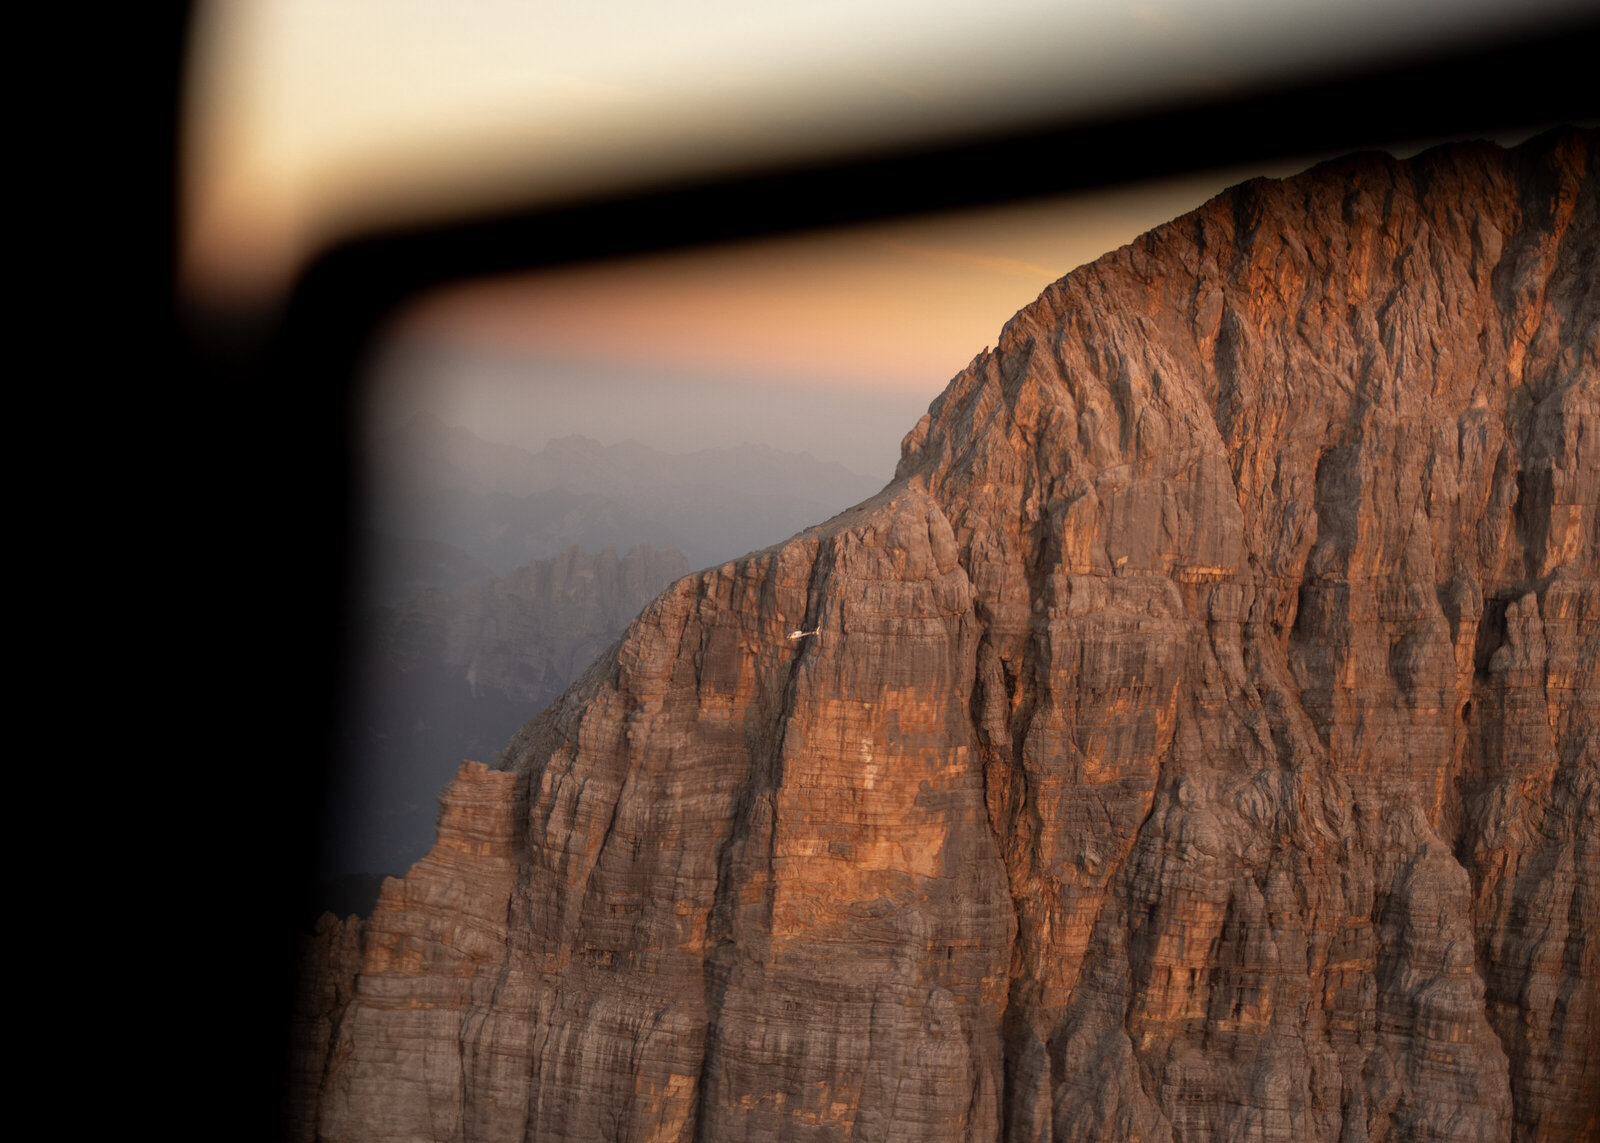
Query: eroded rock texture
<point x="1201" y="742"/>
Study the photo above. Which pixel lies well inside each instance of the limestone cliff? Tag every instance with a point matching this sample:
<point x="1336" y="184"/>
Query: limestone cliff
<point x="1201" y="740"/>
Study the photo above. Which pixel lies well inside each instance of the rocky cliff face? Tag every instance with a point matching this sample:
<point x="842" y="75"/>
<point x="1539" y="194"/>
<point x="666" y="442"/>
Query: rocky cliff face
<point x="1201" y="740"/>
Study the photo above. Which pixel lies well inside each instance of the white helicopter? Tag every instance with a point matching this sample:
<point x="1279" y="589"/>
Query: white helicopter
<point x="799" y="634"/>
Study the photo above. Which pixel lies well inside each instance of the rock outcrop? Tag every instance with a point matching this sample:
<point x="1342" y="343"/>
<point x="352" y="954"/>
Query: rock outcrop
<point x="1201" y="740"/>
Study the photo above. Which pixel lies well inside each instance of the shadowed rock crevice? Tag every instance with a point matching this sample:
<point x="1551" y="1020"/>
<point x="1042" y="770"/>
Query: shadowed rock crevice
<point x="1201" y="739"/>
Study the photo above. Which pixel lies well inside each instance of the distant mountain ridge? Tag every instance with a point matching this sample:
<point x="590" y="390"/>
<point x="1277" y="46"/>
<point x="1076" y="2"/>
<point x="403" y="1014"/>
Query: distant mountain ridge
<point x="506" y="505"/>
<point x="448" y="675"/>
<point x="400" y="568"/>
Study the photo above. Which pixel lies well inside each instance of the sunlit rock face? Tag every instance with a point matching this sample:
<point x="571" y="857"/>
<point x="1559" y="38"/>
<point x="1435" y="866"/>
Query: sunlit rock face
<point x="1200" y="740"/>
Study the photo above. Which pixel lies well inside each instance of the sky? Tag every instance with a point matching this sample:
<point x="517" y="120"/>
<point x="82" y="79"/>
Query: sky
<point x="831" y="343"/>
<point x="312" y="119"/>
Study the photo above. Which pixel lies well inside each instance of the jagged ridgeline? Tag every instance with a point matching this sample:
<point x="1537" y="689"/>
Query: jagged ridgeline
<point x="1200" y="740"/>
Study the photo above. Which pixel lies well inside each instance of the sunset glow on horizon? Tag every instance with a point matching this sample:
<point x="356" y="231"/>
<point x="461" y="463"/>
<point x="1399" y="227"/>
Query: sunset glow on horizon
<point x="687" y="349"/>
<point x="748" y="341"/>
<point x="901" y="305"/>
<point x="310" y="122"/>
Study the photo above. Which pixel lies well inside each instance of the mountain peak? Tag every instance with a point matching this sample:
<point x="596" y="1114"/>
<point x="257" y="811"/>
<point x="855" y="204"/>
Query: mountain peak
<point x="1191" y="740"/>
